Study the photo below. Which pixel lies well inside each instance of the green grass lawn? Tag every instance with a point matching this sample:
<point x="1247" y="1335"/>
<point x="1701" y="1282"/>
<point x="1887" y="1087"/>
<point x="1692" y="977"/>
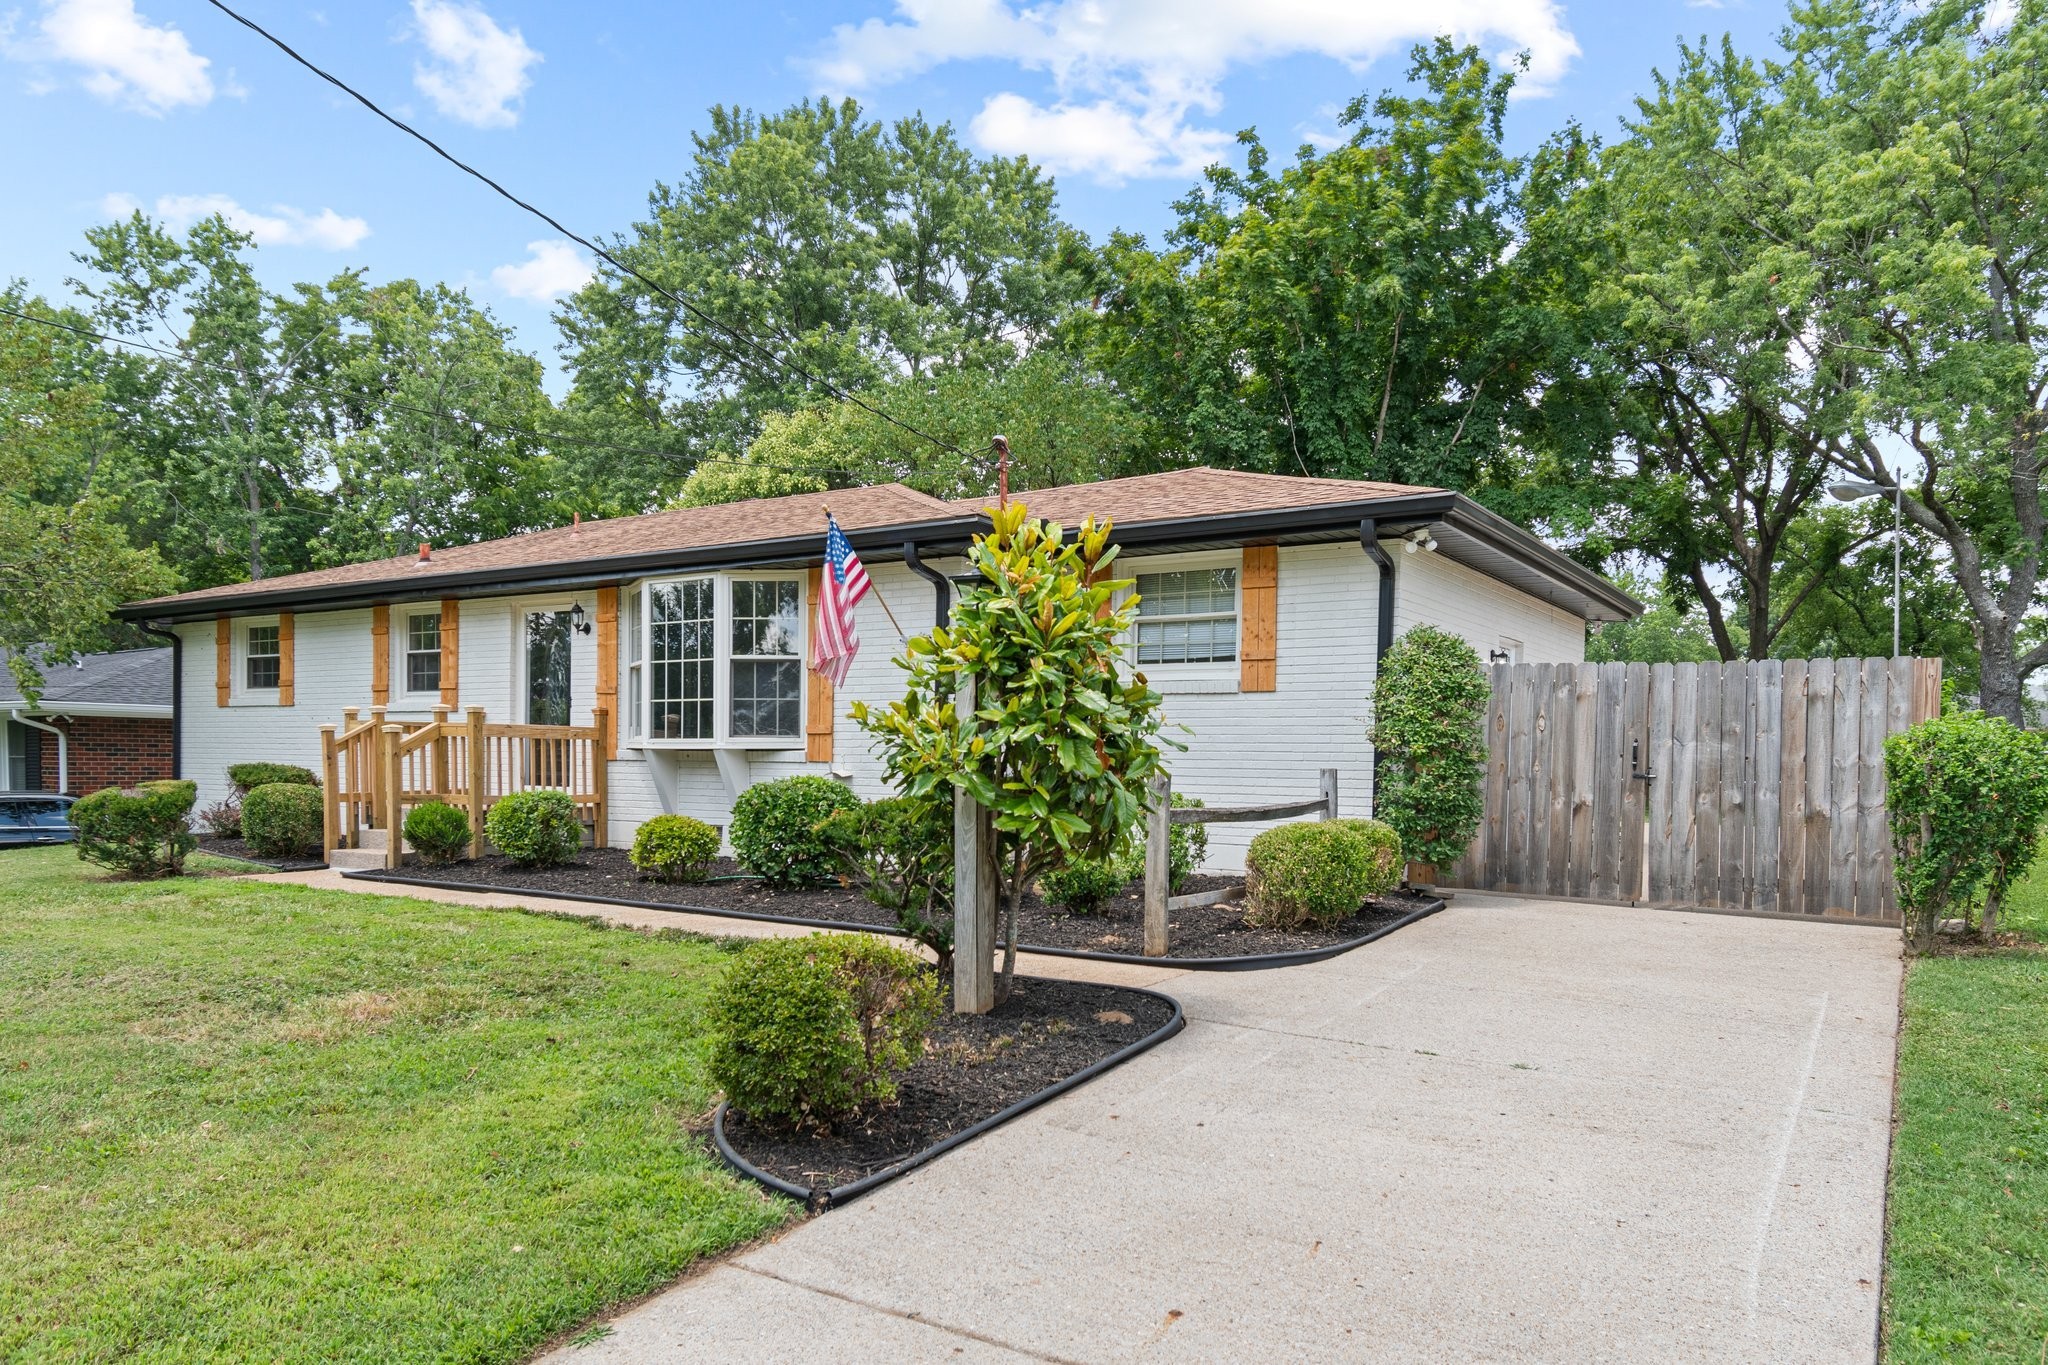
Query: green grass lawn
<point x="1967" y="1245"/>
<point x="241" y="1121"/>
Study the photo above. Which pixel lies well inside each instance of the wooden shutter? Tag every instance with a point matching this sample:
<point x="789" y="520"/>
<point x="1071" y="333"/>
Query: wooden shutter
<point x="818" y="699"/>
<point x="380" y="655"/>
<point x="451" y="652"/>
<point x="1259" y="631"/>
<point x="608" y="668"/>
<point x="285" y="651"/>
<point x="223" y="659"/>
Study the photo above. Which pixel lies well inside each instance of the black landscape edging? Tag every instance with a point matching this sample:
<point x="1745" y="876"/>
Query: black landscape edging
<point x="818" y="1200"/>
<point x="1250" y="962"/>
<point x="274" y="864"/>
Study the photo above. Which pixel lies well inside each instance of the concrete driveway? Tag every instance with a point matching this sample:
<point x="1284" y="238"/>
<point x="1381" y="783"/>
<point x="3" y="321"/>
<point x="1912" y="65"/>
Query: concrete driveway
<point x="1518" y="1131"/>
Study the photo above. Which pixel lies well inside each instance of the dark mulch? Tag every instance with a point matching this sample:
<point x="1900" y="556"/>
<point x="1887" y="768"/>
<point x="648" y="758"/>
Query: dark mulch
<point x="239" y="848"/>
<point x="1207" y="931"/>
<point x="974" y="1066"/>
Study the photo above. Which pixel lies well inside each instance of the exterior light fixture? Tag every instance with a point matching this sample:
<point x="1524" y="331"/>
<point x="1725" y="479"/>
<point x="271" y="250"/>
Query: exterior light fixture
<point x="578" y="622"/>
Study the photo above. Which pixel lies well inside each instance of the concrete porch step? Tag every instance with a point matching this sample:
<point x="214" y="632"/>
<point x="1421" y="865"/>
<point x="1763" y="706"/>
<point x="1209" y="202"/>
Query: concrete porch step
<point x="356" y="860"/>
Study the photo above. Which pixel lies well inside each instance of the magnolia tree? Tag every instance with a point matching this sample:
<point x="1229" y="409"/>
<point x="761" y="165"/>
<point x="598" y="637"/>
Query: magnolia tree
<point x="1429" y="722"/>
<point x="1061" y="744"/>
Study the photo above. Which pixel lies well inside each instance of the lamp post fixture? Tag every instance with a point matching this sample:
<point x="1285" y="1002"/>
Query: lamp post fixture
<point x="1857" y="491"/>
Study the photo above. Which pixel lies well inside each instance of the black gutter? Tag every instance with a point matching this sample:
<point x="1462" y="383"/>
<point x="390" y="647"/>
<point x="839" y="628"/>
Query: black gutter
<point x="1369" y="539"/>
<point x="177" y="691"/>
<point x="941" y="589"/>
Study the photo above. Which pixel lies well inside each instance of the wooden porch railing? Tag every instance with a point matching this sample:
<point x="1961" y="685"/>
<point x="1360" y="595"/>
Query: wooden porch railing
<point x="374" y="771"/>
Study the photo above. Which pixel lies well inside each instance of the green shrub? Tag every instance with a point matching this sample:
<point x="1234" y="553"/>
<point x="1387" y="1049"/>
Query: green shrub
<point x="1967" y="793"/>
<point x="142" y="831"/>
<point x="282" y="820"/>
<point x="1429" y="727"/>
<point x="437" y="831"/>
<point x="1186" y="846"/>
<point x="535" y="829"/>
<point x="674" y="848"/>
<point x="247" y="777"/>
<point x="1316" y="873"/>
<point x="1385" y="846"/>
<point x="899" y="851"/>
<point x="1086" y="885"/>
<point x="775" y="831"/>
<point x="223" y="819"/>
<point x="806" y="1030"/>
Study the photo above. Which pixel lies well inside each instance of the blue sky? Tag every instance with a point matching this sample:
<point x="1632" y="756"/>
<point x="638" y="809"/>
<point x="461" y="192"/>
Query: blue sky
<point x="168" y="105"/>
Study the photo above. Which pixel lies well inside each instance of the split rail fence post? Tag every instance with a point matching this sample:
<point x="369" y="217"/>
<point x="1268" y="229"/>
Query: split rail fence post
<point x="974" y="902"/>
<point x="479" y="771"/>
<point x="1329" y="793"/>
<point x="394" y="833"/>
<point x="1157" y="827"/>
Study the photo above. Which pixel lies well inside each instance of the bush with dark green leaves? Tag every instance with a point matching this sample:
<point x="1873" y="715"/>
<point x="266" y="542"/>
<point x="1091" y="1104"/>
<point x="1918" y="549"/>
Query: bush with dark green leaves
<point x="674" y="848"/>
<point x="140" y="831"/>
<point x="282" y="820"/>
<point x="775" y="831"/>
<point x="247" y="777"/>
<point x="807" y="1030"/>
<point x="899" y="852"/>
<point x="535" y="829"/>
<point x="1186" y="846"/>
<point x="1317" y="874"/>
<point x="1967" y="794"/>
<point x="1084" y="886"/>
<point x="1429" y="728"/>
<point x="437" y="831"/>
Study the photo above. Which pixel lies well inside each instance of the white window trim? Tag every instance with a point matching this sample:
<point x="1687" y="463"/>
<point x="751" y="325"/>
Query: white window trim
<point x="239" y="691"/>
<point x="1207" y="675"/>
<point x="401" y="644"/>
<point x="721" y="661"/>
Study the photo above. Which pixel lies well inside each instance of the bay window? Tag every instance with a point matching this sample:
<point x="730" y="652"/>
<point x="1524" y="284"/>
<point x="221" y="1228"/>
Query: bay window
<point x="716" y="660"/>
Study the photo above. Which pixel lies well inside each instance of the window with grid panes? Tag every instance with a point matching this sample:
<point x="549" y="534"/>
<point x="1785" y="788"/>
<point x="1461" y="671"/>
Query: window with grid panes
<point x="1187" y="616"/>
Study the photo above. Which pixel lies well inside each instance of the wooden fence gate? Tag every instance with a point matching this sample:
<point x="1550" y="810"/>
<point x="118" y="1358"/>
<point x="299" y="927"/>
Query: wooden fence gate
<point x="1743" y="786"/>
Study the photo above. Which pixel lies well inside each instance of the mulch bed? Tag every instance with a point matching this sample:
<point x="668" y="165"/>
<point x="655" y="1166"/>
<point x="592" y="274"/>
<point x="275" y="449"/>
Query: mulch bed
<point x="1209" y="931"/>
<point x="974" y="1067"/>
<point x="239" y="848"/>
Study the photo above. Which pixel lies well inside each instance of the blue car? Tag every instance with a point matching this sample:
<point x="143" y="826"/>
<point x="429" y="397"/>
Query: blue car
<point x="35" y="818"/>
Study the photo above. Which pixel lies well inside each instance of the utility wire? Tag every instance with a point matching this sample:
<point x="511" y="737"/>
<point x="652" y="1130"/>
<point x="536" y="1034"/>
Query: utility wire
<point x="622" y="267"/>
<point x="550" y="438"/>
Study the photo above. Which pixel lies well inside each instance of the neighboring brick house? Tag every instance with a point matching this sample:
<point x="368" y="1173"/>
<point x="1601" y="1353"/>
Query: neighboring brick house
<point x="104" y="721"/>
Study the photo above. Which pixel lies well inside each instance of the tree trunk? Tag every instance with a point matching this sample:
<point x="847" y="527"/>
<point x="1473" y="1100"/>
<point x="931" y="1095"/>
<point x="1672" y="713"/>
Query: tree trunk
<point x="1998" y="675"/>
<point x="1013" y="894"/>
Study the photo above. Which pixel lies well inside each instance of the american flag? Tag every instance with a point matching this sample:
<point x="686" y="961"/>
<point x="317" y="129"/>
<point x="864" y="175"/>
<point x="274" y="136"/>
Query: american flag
<point x="844" y="582"/>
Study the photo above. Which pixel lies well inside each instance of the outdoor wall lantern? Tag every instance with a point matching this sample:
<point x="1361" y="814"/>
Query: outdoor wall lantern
<point x="578" y="622"/>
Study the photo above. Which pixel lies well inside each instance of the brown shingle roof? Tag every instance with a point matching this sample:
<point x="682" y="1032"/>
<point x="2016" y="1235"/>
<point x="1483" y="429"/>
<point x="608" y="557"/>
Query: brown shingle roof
<point x="1196" y="492"/>
<point x="688" y="528"/>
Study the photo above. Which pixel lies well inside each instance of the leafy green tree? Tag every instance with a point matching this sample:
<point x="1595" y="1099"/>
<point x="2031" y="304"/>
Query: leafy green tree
<point x="1429" y="736"/>
<point x="1850" y="614"/>
<point x="1060" y="745"/>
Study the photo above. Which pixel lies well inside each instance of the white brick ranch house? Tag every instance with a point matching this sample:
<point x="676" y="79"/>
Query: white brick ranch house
<point x="1266" y="603"/>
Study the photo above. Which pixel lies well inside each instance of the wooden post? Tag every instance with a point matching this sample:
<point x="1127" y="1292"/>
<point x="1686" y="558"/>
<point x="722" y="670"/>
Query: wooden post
<point x="1329" y="793"/>
<point x="443" y="789"/>
<point x="330" y="808"/>
<point x="394" y="832"/>
<point x="600" y="774"/>
<point x="974" y="901"/>
<point x="349" y="763"/>
<point x="479" y="774"/>
<point x="1157" y="822"/>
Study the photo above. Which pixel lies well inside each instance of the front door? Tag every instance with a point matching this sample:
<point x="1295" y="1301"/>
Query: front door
<point x="547" y="668"/>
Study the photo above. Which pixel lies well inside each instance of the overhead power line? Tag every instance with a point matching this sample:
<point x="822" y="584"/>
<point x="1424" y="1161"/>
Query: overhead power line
<point x="736" y="334"/>
<point x="550" y="438"/>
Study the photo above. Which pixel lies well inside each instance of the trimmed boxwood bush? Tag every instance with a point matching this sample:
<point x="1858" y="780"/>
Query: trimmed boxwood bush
<point x="535" y="829"/>
<point x="674" y="848"/>
<point x="142" y="831"/>
<point x="807" y="1030"/>
<point x="1186" y="846"/>
<point x="247" y="777"/>
<point x="437" y="831"/>
<point x="775" y="832"/>
<point x="282" y="820"/>
<point x="1318" y="874"/>
<point x="1084" y="887"/>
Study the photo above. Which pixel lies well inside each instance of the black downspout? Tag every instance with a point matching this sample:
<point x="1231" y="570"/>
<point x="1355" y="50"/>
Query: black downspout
<point x="1369" y="539"/>
<point x="941" y="589"/>
<point x="177" y="692"/>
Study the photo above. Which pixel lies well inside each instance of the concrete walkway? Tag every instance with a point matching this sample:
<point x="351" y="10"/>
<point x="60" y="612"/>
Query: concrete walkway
<point x="1517" y="1131"/>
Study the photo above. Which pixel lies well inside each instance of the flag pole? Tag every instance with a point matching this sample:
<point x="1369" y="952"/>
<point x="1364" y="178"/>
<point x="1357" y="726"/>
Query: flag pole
<point x="873" y="587"/>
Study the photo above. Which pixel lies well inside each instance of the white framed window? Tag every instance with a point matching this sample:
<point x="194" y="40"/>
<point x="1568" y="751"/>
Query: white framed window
<point x="716" y="660"/>
<point x="419" y="661"/>
<point x="259" y="660"/>
<point x="1187" y="615"/>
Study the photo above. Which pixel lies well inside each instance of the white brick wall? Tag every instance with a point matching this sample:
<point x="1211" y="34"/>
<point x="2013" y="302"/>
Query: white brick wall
<point x="1486" y="611"/>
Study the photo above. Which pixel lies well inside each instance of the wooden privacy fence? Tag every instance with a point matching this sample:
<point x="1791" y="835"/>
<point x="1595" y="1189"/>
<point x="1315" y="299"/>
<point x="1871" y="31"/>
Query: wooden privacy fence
<point x="373" y="771"/>
<point x="1742" y="786"/>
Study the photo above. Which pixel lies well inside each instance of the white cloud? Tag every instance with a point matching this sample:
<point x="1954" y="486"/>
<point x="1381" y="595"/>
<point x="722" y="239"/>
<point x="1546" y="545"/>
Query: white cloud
<point x="1133" y="78"/>
<point x="124" y="59"/>
<point x="550" y="270"/>
<point x="282" y="226"/>
<point x="478" y="70"/>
